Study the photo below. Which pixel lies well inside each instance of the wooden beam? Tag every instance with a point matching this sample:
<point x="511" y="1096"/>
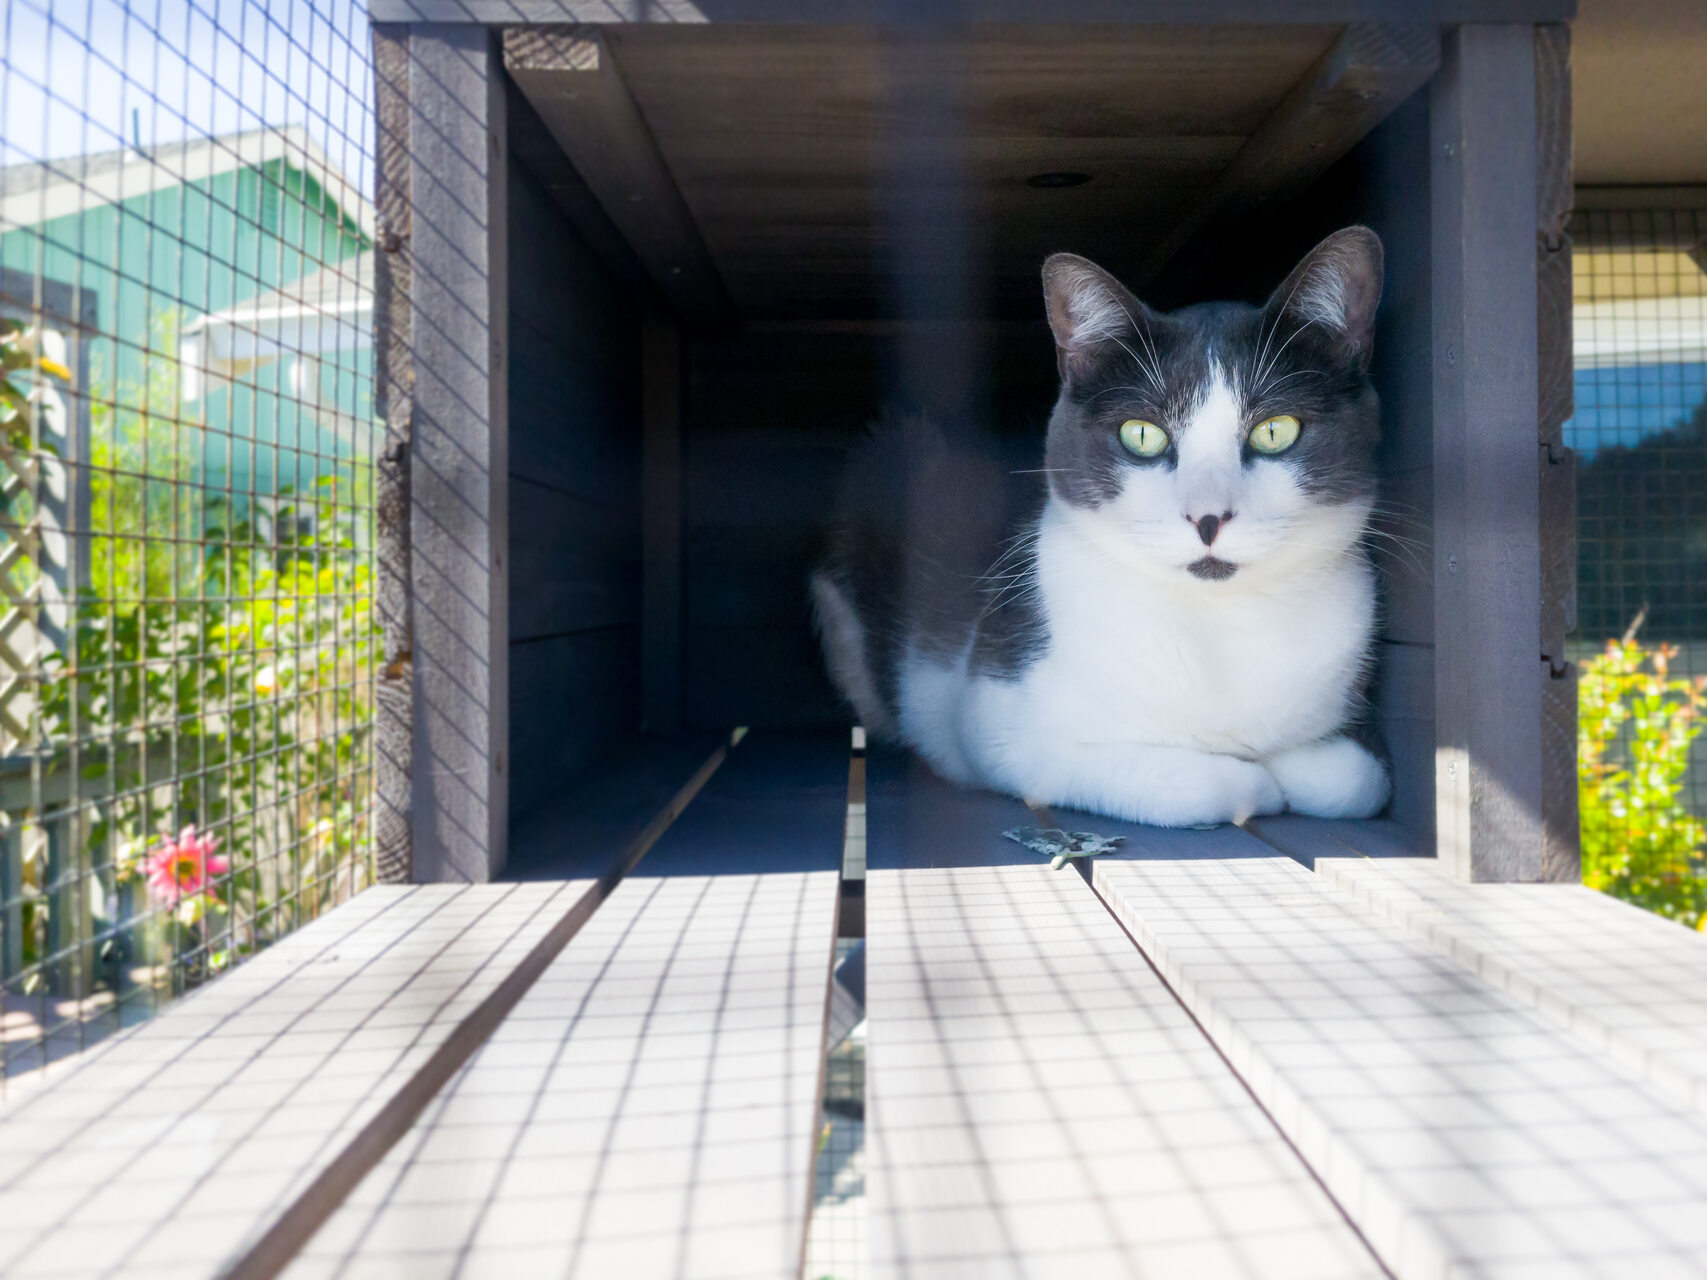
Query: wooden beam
<point x="936" y="12"/>
<point x="1488" y="703"/>
<point x="537" y="151"/>
<point x="570" y="77"/>
<point x="1367" y="72"/>
<point x="1681" y="196"/>
<point x="459" y="472"/>
<point x="661" y="526"/>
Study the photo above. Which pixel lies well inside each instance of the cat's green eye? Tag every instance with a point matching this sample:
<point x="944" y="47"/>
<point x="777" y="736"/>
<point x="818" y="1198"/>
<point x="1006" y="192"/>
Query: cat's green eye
<point x="1277" y="435"/>
<point x="1145" y="439"/>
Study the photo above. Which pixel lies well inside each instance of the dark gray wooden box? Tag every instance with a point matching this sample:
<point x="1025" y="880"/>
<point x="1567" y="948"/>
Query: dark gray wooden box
<point x="642" y="281"/>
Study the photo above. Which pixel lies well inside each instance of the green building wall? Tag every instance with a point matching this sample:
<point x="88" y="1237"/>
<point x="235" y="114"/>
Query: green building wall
<point x="147" y="267"/>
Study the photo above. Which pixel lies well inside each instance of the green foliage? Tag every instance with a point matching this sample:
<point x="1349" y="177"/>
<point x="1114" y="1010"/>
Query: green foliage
<point x="1635" y="724"/>
<point x="19" y="353"/>
<point x="145" y="512"/>
<point x="219" y="675"/>
<point x="256" y="681"/>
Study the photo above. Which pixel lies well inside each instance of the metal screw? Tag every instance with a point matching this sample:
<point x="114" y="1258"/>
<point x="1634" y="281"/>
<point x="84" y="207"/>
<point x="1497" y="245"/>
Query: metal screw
<point x="1452" y="564"/>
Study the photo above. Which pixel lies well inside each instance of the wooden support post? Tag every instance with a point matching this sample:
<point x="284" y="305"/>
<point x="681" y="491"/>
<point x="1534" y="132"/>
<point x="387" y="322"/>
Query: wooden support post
<point x="661" y="526"/>
<point x="459" y="468"/>
<point x="1487" y="555"/>
<point x="394" y="383"/>
<point x="1562" y="852"/>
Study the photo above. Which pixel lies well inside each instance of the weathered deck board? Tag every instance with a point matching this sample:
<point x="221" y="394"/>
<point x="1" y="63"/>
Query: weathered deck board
<point x="651" y="1106"/>
<point x="1039" y="1102"/>
<point x="1462" y="1131"/>
<point x="1308" y="839"/>
<point x="1634" y="984"/>
<point x="171" y="1149"/>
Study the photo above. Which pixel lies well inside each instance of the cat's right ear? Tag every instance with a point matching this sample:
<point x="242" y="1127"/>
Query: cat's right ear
<point x="1087" y="308"/>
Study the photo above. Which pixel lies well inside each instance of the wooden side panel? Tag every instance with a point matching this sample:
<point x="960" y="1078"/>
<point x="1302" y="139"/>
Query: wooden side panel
<point x="1464" y="1133"/>
<point x="1387" y="168"/>
<point x="661" y="628"/>
<point x="770" y="418"/>
<point x="394" y="386"/>
<point x="212" y="1120"/>
<point x="771" y="415"/>
<point x="459" y="465"/>
<point x="1486" y="519"/>
<point x="1631" y="982"/>
<point x="1039" y="1103"/>
<point x="575" y="549"/>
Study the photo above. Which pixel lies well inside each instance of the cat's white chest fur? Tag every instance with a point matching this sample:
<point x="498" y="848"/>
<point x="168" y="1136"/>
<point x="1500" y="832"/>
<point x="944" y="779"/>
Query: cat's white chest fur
<point x="1217" y="666"/>
<point x="1152" y="673"/>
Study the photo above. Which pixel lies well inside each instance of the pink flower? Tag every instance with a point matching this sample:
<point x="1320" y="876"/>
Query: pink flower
<point x="183" y="866"/>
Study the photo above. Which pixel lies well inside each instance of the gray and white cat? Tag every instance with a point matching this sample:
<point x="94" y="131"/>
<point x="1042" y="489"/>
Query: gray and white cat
<point x="1175" y="627"/>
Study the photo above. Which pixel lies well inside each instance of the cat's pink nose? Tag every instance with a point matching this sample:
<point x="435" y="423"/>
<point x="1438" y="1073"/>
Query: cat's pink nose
<point x="1209" y="526"/>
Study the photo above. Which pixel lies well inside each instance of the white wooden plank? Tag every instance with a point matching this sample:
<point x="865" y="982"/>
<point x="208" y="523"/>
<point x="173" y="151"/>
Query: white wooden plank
<point x="649" y="1109"/>
<point x="172" y="1149"/>
<point x="1634" y="984"/>
<point x="1041" y="1105"/>
<point x="1463" y="1132"/>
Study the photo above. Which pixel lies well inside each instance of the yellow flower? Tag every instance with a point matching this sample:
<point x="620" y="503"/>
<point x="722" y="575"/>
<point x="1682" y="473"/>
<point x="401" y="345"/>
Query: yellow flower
<point x="266" y="682"/>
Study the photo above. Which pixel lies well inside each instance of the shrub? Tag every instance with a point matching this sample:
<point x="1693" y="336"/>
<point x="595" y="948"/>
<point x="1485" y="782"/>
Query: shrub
<point x="1635" y="725"/>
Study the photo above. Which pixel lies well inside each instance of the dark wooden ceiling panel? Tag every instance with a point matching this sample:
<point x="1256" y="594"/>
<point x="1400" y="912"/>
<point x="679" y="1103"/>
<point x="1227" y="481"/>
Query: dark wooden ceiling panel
<point x="819" y="162"/>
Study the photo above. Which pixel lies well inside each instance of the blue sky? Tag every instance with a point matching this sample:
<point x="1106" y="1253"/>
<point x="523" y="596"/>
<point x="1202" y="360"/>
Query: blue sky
<point x="177" y="70"/>
<point x="1626" y="405"/>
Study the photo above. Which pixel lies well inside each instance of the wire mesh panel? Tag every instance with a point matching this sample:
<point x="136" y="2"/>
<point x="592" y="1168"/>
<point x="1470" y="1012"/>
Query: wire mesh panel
<point x="1640" y="434"/>
<point x="186" y="516"/>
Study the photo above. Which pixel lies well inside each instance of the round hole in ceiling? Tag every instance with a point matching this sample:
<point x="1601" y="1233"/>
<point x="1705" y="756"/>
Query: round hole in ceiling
<point x="1057" y="180"/>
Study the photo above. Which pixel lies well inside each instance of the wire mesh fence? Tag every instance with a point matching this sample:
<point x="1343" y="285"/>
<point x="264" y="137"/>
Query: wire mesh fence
<point x="186" y="513"/>
<point x="1640" y="435"/>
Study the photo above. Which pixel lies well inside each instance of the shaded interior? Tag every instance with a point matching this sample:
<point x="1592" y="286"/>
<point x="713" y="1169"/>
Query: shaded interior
<point x="876" y="205"/>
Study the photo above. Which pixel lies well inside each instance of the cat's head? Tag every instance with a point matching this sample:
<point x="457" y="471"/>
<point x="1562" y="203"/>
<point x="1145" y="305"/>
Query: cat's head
<point x="1222" y="443"/>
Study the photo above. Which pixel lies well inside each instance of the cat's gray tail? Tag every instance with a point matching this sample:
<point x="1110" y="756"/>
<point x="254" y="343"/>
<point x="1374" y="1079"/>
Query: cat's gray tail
<point x="847" y="653"/>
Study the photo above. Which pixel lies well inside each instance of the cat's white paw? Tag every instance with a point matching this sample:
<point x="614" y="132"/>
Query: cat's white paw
<point x="1334" y="778"/>
<point x="1216" y="789"/>
<point x="1249" y="791"/>
<point x="1161" y="786"/>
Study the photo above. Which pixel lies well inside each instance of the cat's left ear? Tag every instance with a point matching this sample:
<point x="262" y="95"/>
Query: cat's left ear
<point x="1337" y="287"/>
<point x="1087" y="308"/>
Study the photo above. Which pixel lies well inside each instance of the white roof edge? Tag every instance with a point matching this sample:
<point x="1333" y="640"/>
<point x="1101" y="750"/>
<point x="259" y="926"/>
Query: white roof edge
<point x="193" y="163"/>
